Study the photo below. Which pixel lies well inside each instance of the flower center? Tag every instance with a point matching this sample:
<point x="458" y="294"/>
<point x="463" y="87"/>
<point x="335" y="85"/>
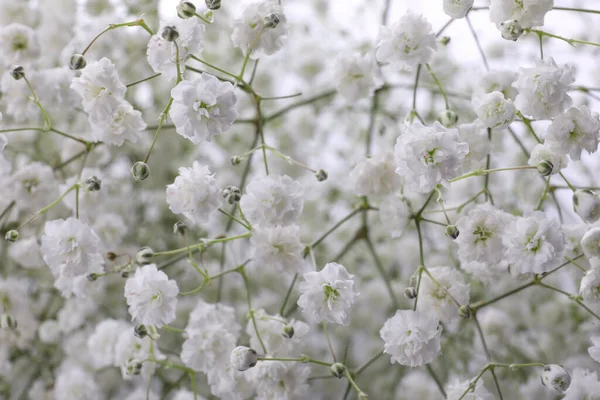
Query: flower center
<point x="330" y="293"/>
<point x="429" y="157"/>
<point x="481" y="234"/>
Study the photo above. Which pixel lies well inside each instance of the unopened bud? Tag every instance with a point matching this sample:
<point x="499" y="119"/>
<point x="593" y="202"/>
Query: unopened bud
<point x="338" y="370"/>
<point x="11" y="236"/>
<point x="452" y="231"/>
<point x="208" y="15"/>
<point x="545" y="168"/>
<point x="243" y="358"/>
<point x="180" y="228"/>
<point x="511" y="29"/>
<point x="7" y="321"/>
<point x="186" y="9"/>
<point x="464" y="312"/>
<point x="288" y="331"/>
<point x="271" y="21"/>
<point x="140" y="171"/>
<point x="140" y="331"/>
<point x="111" y="256"/>
<point x="92" y="277"/>
<point x="321" y="175"/>
<point x="169" y="33"/>
<point x="556" y="378"/>
<point x="448" y="118"/>
<point x="145" y="255"/>
<point x="17" y="72"/>
<point x="232" y="194"/>
<point x="213" y="4"/>
<point x="126" y="271"/>
<point x="410" y="293"/>
<point x="444" y="40"/>
<point x="236" y="160"/>
<point x="133" y="367"/>
<point x="93" y="184"/>
<point x="77" y="62"/>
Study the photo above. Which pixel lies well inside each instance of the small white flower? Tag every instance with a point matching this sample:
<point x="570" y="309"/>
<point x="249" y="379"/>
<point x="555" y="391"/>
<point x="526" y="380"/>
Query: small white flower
<point x="543" y="152"/>
<point x="556" y="378"/>
<point x="412" y="338"/>
<point x="375" y="176"/>
<point x="203" y="349"/>
<point x="101" y="343"/>
<point x="277" y="248"/>
<point x="528" y="12"/>
<point x="494" y="111"/>
<point x="407" y="43"/>
<point x="251" y="24"/>
<point x="427" y="156"/>
<point x="203" y="108"/>
<point x="480" y="237"/>
<point x="116" y="123"/>
<point x="19" y="44"/>
<point x="587" y="205"/>
<point x="573" y="131"/>
<point x="457" y="8"/>
<point x="194" y="193"/>
<point x="589" y="288"/>
<point x="590" y="243"/>
<point x="97" y="85"/>
<point x="356" y="77"/>
<point x="457" y="388"/>
<point x="584" y="385"/>
<point x="328" y="295"/>
<point x="394" y="215"/>
<point x="243" y="358"/>
<point x="273" y="200"/>
<point x="439" y="301"/>
<point x="151" y="296"/>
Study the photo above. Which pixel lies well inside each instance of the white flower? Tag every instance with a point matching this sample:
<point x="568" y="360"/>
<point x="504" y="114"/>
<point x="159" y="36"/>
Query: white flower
<point x="280" y="380"/>
<point x="243" y="358"/>
<point x="26" y="253"/>
<point x="118" y="122"/>
<point x="589" y="288"/>
<point x="457" y="388"/>
<point x="71" y="248"/>
<point x="203" y="108"/>
<point x="407" y="43"/>
<point x="101" y="343"/>
<point x="250" y="32"/>
<point x="594" y="351"/>
<point x="328" y="295"/>
<point x="479" y="145"/>
<point x="97" y="85"/>
<point x="587" y="205"/>
<point x="129" y="347"/>
<point x="32" y="186"/>
<point x="412" y="338"/>
<point x="356" y="77"/>
<point x="494" y="111"/>
<point x="203" y="349"/>
<point x="528" y="12"/>
<point x="273" y="200"/>
<point x="394" y="215"/>
<point x="439" y="301"/>
<point x="457" y="8"/>
<point x="427" y="156"/>
<point x="375" y="176"/>
<point x="590" y="243"/>
<point x="19" y="44"/>
<point x="573" y="131"/>
<point x="73" y="383"/>
<point x="278" y="248"/>
<point x="556" y="378"/>
<point x="162" y="54"/>
<point x="534" y="243"/>
<point x="543" y="89"/>
<point x="543" y="152"/>
<point x="584" y="385"/>
<point x="498" y="81"/>
<point x="194" y="193"/>
<point x="151" y="296"/>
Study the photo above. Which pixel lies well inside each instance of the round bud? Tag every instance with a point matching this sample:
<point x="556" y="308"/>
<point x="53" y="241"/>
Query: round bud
<point x="180" y="228"/>
<point x="17" y="72"/>
<point x="213" y="4"/>
<point x="11" y="236"/>
<point x="338" y="370"/>
<point x="587" y="205"/>
<point x="243" y="358"/>
<point x="126" y="271"/>
<point x="448" y="118"/>
<point x="271" y="21"/>
<point x="7" y="321"/>
<point x="545" y="168"/>
<point x="556" y="378"/>
<point x="186" y="9"/>
<point x="511" y="29"/>
<point x="288" y="331"/>
<point x="92" y="277"/>
<point x="93" y="184"/>
<point x="464" y="312"/>
<point x="140" y="171"/>
<point x="169" y="33"/>
<point x="452" y="231"/>
<point x="235" y="160"/>
<point x="321" y="175"/>
<point x="111" y="256"/>
<point x="133" y="367"/>
<point x="140" y="331"/>
<point x="208" y="15"/>
<point x="232" y="194"/>
<point x="145" y="255"/>
<point x="77" y="62"/>
<point x="444" y="40"/>
<point x="410" y="293"/>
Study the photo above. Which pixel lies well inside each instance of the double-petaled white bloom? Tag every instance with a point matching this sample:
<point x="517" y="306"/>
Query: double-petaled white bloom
<point x="278" y="248"/>
<point x="203" y="108"/>
<point x="194" y="193"/>
<point x="328" y="295"/>
<point x="262" y="28"/>
<point x="544" y="152"/>
<point x="101" y="343"/>
<point x="534" y="243"/>
<point x="273" y="200"/>
<point x="528" y="12"/>
<point x="356" y="77"/>
<point x="573" y="131"/>
<point x="590" y="243"/>
<point x="412" y="338"/>
<point x="280" y="380"/>
<point x="457" y="8"/>
<point x="118" y="122"/>
<point x="543" y="89"/>
<point x="31" y="186"/>
<point x="480" y="237"/>
<point x="375" y="176"/>
<point x="71" y="248"/>
<point x="162" y="54"/>
<point x="394" y="215"/>
<point x="494" y="111"/>
<point x="587" y="205"/>
<point x="589" y="288"/>
<point x="594" y="351"/>
<point x="440" y="300"/>
<point x="407" y="43"/>
<point x="427" y="156"/>
<point x="19" y="45"/>
<point x="97" y="85"/>
<point x="151" y="296"/>
<point x="556" y="378"/>
<point x="457" y="388"/>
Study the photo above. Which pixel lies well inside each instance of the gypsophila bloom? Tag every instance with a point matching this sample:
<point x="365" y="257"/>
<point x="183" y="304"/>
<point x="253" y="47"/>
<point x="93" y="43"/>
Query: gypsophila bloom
<point x="587" y="205"/>
<point x="162" y="54"/>
<point x="412" y="338"/>
<point x="194" y="193"/>
<point x="375" y="176"/>
<point x="243" y="358"/>
<point x="590" y="283"/>
<point x="151" y="296"/>
<point x="440" y="301"/>
<point x="356" y="77"/>
<point x="203" y="108"/>
<point x="544" y="152"/>
<point x="427" y="156"/>
<point x="584" y="385"/>
<point x="457" y="388"/>
<point x="251" y="34"/>
<point x="71" y="248"/>
<point x="273" y="200"/>
<point x="98" y="83"/>
<point x="328" y="295"/>
<point x="573" y="131"/>
<point x="73" y="383"/>
<point x="394" y="215"/>
<point x="118" y="122"/>
<point x="534" y="243"/>
<point x="407" y="43"/>
<point x="101" y="343"/>
<point x="543" y="89"/>
<point x="32" y="185"/>
<point x="129" y="347"/>
<point x="457" y="8"/>
<point x="556" y="378"/>
<point x="494" y="111"/>
<point x="19" y="45"/>
<point x="276" y="248"/>
<point x="594" y="351"/>
<point x="280" y="380"/>
<point x="590" y="243"/>
<point x="528" y="12"/>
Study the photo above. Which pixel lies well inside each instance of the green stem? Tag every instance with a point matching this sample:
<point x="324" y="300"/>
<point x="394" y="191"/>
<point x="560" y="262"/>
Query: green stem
<point x="49" y="206"/>
<point x="310" y="100"/>
<point x="247" y="57"/>
<point x="381" y="270"/>
<point x="329" y="341"/>
<point x="439" y="85"/>
<point x="163" y="118"/>
<point x="480" y="172"/>
<point x="139" y="22"/>
<point x="214" y="67"/>
<point x="354" y="385"/>
<point x="143" y="80"/>
<point x="287" y="295"/>
<point x="301" y="359"/>
<point x="571" y="42"/>
<point x="251" y="310"/>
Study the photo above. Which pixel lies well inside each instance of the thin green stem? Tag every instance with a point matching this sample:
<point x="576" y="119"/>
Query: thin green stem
<point x="382" y="272"/>
<point x="251" y="310"/>
<point x="329" y="341"/>
<point x="303" y="359"/>
<point x="480" y="172"/>
<point x="479" y="48"/>
<point x="143" y="80"/>
<point x="287" y="295"/>
<point x="571" y="42"/>
<point x="163" y="118"/>
<point x="439" y="85"/>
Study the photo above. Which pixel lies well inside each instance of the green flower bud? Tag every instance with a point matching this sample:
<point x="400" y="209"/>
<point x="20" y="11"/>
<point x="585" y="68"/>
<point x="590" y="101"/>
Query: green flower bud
<point x="7" y="321"/>
<point x="145" y="255"/>
<point x="140" y="331"/>
<point x="186" y="9"/>
<point x="410" y="293"/>
<point x="11" y="236"/>
<point x="17" y="72"/>
<point x="545" y="168"/>
<point x="448" y="118"/>
<point x="452" y="231"/>
<point x="169" y="33"/>
<point x="271" y="21"/>
<point x="93" y="184"/>
<point x="213" y="4"/>
<point x="288" y="331"/>
<point x="77" y="62"/>
<point x="321" y="175"/>
<point x="140" y="171"/>
<point x="180" y="227"/>
<point x="338" y="370"/>
<point x="464" y="312"/>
